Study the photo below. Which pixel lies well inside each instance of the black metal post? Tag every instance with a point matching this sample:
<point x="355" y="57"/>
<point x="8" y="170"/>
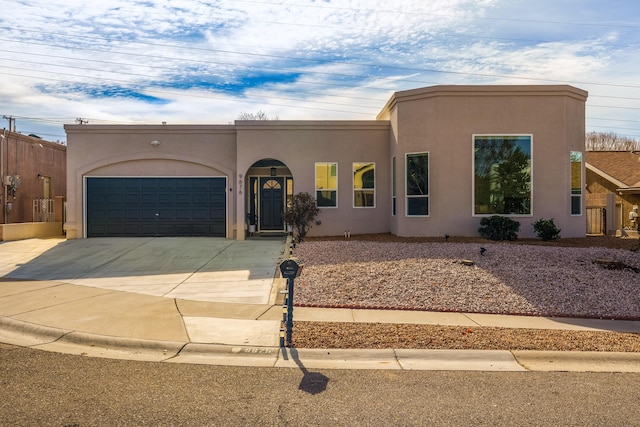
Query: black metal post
<point x="289" y="269"/>
<point x="289" y="323"/>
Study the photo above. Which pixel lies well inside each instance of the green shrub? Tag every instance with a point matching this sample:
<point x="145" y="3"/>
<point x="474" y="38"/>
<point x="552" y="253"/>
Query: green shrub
<point x="498" y="227"/>
<point x="546" y="229"/>
<point x="300" y="213"/>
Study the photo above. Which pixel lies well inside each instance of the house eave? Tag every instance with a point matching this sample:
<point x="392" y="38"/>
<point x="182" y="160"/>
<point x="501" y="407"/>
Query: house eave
<point x="628" y="190"/>
<point x="606" y="176"/>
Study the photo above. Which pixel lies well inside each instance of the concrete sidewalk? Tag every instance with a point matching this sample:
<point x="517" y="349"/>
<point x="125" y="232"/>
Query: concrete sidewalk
<point x="217" y="301"/>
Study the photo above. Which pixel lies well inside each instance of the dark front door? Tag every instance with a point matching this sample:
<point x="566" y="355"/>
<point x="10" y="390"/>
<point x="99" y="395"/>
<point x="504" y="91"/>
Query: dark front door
<point x="271" y="203"/>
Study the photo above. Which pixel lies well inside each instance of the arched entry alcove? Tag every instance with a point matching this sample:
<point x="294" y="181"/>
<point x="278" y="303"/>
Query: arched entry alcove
<point x="269" y="188"/>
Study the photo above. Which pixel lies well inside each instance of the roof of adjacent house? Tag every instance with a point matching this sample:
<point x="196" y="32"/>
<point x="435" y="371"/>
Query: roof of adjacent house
<point x="624" y="166"/>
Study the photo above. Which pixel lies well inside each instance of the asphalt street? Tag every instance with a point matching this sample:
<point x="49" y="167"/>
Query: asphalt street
<point x="52" y="389"/>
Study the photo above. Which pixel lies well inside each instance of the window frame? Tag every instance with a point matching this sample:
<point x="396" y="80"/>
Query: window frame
<point x="394" y="198"/>
<point x="335" y="190"/>
<point x="362" y="190"/>
<point x="473" y="175"/>
<point x="406" y="185"/>
<point x="580" y="190"/>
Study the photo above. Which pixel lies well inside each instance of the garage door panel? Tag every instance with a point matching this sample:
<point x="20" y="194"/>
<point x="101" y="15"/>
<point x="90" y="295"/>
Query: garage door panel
<point x="183" y="199"/>
<point x="148" y="229"/>
<point x="166" y="199"/>
<point x="98" y="214"/>
<point x="184" y="214"/>
<point x="149" y="199"/>
<point x="131" y="214"/>
<point x="130" y="185"/>
<point x="147" y="214"/>
<point x="129" y="229"/>
<point x="156" y="207"/>
<point x="202" y="214"/>
<point x="131" y="199"/>
<point x="165" y="211"/>
<point x="116" y="215"/>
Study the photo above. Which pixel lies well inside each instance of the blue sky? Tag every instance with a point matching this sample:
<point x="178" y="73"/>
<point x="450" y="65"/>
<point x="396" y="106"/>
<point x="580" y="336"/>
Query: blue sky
<point x="208" y="61"/>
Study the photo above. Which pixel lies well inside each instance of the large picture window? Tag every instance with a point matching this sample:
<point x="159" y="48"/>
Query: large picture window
<point x="502" y="174"/>
<point x="364" y="185"/>
<point x="327" y="184"/>
<point x="417" y="182"/>
<point x="576" y="183"/>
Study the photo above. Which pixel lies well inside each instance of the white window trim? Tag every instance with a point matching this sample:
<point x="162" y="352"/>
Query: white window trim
<point x="581" y="184"/>
<point x="406" y="196"/>
<point x="315" y="169"/>
<point x="473" y="175"/>
<point x="394" y="193"/>
<point x="354" y="189"/>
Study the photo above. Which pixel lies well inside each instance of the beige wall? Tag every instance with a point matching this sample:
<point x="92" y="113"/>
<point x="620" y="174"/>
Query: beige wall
<point x="300" y="144"/>
<point x="442" y="120"/>
<point x="29" y="230"/>
<point x="184" y="150"/>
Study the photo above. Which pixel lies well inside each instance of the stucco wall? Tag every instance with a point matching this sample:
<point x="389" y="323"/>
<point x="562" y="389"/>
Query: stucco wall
<point x="183" y="150"/>
<point x="299" y="145"/>
<point x="442" y="122"/>
<point x="29" y="230"/>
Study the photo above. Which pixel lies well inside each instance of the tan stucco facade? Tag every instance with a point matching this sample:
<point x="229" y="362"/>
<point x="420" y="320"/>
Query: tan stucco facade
<point x="440" y="121"/>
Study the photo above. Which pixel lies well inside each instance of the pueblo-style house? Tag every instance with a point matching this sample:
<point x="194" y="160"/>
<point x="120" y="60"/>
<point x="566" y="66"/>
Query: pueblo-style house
<point x="435" y="161"/>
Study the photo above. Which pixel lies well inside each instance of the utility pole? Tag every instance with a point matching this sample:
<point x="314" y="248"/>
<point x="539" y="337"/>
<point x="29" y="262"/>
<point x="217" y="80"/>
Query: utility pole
<point x="12" y="123"/>
<point x="3" y="187"/>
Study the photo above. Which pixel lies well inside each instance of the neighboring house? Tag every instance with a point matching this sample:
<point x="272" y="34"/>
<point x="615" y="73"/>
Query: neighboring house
<point x="613" y="179"/>
<point x="434" y="162"/>
<point x="34" y="179"/>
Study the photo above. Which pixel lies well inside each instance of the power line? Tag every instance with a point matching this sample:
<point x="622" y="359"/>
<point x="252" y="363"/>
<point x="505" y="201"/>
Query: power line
<point x="397" y="11"/>
<point x="613" y="120"/>
<point x="408" y="69"/>
<point x="332" y="78"/>
<point x="321" y="61"/>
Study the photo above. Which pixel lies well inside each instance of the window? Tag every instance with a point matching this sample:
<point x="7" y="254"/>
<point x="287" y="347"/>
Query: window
<point x="417" y="169"/>
<point x="364" y="185"/>
<point x="502" y="174"/>
<point x="327" y="185"/>
<point x="576" y="183"/>
<point x="393" y="186"/>
<point x="289" y="190"/>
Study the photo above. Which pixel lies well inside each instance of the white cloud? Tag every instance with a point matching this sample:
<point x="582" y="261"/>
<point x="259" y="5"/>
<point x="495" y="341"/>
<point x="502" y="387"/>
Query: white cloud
<point x="207" y="61"/>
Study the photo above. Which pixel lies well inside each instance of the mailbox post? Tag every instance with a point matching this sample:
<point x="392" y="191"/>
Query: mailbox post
<point x="290" y="270"/>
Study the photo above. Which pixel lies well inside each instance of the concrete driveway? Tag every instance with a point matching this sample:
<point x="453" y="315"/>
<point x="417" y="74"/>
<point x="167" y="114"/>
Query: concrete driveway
<point x="198" y="269"/>
<point x="195" y="290"/>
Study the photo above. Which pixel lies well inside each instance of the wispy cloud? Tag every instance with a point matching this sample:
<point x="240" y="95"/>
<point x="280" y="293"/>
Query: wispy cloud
<point x="206" y="61"/>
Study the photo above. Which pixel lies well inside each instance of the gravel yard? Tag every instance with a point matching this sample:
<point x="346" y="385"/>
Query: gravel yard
<point x="553" y="279"/>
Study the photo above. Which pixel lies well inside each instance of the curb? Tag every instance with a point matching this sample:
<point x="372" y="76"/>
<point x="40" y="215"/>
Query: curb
<point x="577" y="361"/>
<point x="24" y="334"/>
<point x="27" y="334"/>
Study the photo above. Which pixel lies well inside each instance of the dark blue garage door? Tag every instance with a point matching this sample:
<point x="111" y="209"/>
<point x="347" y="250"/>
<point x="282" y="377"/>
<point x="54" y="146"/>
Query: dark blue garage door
<point x="119" y="207"/>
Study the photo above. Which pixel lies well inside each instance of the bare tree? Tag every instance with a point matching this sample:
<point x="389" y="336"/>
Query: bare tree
<point x="260" y="115"/>
<point x="610" y="141"/>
